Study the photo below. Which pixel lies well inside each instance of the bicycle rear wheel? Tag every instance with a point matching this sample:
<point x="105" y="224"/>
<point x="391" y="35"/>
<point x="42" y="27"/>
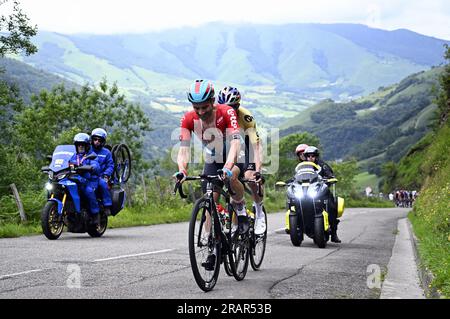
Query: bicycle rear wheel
<point x="203" y="243"/>
<point x="258" y="245"/>
<point x="240" y="253"/>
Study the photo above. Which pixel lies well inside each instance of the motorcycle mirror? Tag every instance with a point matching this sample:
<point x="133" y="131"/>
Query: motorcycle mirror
<point x="45" y="169"/>
<point x="331" y="180"/>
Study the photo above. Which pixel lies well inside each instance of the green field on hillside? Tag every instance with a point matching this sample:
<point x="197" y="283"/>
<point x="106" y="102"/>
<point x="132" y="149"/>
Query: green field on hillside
<point x="364" y="180"/>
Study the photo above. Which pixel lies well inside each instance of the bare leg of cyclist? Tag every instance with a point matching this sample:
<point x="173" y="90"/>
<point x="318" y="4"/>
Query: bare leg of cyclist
<point x="254" y="188"/>
<point x="208" y="264"/>
<point x="207" y="225"/>
<point x="238" y="200"/>
<point x="260" y="221"/>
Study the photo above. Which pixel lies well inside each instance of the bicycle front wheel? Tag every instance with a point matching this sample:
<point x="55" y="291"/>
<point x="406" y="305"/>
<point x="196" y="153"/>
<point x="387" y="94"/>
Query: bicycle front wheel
<point x="227" y="266"/>
<point x="204" y="246"/>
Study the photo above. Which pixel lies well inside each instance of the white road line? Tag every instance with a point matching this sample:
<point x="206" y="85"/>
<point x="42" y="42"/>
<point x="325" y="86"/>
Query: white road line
<point x="135" y="255"/>
<point x="20" y="273"/>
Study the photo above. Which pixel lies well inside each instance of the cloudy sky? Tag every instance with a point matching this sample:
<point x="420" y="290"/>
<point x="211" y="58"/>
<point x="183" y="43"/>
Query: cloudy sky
<point x="428" y="17"/>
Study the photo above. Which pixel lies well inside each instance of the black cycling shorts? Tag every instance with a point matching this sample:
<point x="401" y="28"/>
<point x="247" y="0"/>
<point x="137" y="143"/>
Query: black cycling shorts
<point x="212" y="168"/>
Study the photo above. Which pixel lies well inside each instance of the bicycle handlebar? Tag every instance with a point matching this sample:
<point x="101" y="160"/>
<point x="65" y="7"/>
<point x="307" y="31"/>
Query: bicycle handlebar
<point x="179" y="188"/>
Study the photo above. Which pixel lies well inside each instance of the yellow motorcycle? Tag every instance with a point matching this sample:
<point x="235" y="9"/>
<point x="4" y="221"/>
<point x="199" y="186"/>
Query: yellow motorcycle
<point x="307" y="201"/>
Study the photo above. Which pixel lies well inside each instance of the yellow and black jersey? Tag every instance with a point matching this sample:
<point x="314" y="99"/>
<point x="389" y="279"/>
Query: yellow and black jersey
<point x="247" y="122"/>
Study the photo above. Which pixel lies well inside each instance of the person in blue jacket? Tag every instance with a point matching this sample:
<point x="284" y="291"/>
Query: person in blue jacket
<point x="88" y="181"/>
<point x="98" y="141"/>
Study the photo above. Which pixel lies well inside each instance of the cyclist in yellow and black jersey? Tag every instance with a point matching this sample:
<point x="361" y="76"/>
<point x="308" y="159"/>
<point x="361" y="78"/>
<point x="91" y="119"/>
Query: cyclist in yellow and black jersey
<point x="250" y="161"/>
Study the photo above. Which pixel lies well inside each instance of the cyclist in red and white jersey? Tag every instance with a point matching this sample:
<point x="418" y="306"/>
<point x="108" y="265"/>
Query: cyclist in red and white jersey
<point x="216" y="125"/>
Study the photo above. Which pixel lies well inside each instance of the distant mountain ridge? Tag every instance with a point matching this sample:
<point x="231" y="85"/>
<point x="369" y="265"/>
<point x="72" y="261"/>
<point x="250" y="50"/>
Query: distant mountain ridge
<point x="281" y="69"/>
<point x="398" y="42"/>
<point x="375" y="128"/>
<point x="30" y="80"/>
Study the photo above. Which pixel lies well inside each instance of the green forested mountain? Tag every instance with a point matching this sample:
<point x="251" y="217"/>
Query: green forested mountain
<point x="281" y="69"/>
<point x="29" y="80"/>
<point x="381" y="126"/>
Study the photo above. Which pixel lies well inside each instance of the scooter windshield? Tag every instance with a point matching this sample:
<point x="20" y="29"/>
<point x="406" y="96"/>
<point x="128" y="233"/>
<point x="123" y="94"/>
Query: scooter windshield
<point x="306" y="173"/>
<point x="61" y="157"/>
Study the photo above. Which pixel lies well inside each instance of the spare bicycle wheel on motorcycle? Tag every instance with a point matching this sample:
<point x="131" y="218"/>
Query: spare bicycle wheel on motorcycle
<point x="122" y="163"/>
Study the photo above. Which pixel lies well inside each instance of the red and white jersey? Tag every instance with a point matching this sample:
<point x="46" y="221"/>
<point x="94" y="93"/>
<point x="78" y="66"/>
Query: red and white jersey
<point x="226" y="125"/>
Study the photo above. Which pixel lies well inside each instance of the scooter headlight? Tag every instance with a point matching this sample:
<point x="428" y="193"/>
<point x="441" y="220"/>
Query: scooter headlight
<point x="312" y="192"/>
<point x="50" y="174"/>
<point x="298" y="192"/>
<point x="48" y="186"/>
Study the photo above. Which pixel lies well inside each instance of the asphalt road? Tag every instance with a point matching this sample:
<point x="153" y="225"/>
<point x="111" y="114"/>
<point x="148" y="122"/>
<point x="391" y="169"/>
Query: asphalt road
<point x="153" y="262"/>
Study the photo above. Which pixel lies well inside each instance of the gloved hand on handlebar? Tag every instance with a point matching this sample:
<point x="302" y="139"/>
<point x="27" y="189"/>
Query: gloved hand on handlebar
<point x="180" y="175"/>
<point x="227" y="173"/>
<point x="259" y="177"/>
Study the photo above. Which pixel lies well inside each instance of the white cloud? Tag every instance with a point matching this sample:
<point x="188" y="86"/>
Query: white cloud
<point x="430" y="17"/>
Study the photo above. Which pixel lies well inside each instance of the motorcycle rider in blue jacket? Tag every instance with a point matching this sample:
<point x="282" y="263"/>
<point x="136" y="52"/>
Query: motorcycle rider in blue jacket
<point x="105" y="160"/>
<point x="88" y="182"/>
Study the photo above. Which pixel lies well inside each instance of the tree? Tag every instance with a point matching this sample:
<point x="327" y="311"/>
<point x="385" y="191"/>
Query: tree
<point x="15" y="32"/>
<point x="288" y="159"/>
<point x="345" y="173"/>
<point x="389" y="173"/>
<point x="10" y="105"/>
<point x="443" y="98"/>
<point x="54" y="117"/>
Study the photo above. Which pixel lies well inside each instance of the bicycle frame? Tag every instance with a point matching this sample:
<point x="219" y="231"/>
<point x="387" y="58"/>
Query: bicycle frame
<point x="232" y="247"/>
<point x="208" y="197"/>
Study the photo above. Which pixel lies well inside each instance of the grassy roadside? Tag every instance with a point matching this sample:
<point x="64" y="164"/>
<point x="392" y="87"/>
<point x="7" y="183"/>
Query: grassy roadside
<point x="365" y="179"/>
<point x="431" y="224"/>
<point x="136" y="216"/>
<point x="434" y="252"/>
<point x="371" y="202"/>
<point x="12" y="229"/>
<point x="150" y="215"/>
<point x="431" y="215"/>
